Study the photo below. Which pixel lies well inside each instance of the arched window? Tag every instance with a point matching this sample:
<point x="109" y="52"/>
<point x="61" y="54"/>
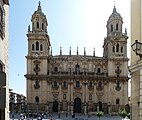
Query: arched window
<point x="33" y="46"/>
<point x="90" y="97"/>
<point x="117" y="48"/>
<point x="42" y="26"/>
<point x="37" y="45"/>
<point x="117" y="26"/>
<point x="41" y="48"/>
<point x="121" y="49"/>
<point x="36" y="85"/>
<point x="117" y="101"/>
<point x="37" y="24"/>
<point x="64" y="84"/>
<point x="55" y="83"/>
<point x="77" y="84"/>
<point x="36" y="82"/>
<point x="113" y="49"/>
<point x="77" y="68"/>
<point x="90" y="84"/>
<point x="64" y="96"/>
<point x="37" y="99"/>
<point x="36" y="66"/>
<point x="100" y="84"/>
<point x="111" y="28"/>
<point x="98" y="70"/>
<point x="55" y="69"/>
<point x="117" y="83"/>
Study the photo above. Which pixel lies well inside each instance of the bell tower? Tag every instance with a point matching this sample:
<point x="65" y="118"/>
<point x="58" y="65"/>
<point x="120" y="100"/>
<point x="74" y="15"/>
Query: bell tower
<point x="37" y="57"/>
<point x="115" y="51"/>
<point x="115" y="44"/>
<point x="115" y="48"/>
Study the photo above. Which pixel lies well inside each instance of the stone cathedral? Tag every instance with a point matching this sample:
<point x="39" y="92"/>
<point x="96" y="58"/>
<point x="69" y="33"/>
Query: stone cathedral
<point x="76" y="83"/>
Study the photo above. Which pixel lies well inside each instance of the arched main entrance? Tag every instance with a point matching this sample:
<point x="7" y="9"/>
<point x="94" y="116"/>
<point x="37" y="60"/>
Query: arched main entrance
<point x="100" y="106"/>
<point x="77" y="105"/>
<point x="55" y="106"/>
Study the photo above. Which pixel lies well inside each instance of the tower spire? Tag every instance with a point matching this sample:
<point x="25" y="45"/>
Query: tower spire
<point x="60" y="50"/>
<point x="84" y="51"/>
<point x="70" y="51"/>
<point x="94" y="52"/>
<point x="77" y="51"/>
<point x="114" y="9"/>
<point x="39" y="3"/>
<point x="39" y="6"/>
<point x="114" y="3"/>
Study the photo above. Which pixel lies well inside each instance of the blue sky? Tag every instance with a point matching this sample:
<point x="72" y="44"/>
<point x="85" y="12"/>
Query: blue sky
<point x="71" y="23"/>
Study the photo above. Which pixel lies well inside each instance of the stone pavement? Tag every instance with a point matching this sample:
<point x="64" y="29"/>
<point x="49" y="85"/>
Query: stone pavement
<point x="77" y="117"/>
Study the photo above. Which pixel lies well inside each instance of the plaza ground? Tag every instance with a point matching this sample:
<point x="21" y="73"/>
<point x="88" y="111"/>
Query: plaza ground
<point x="69" y="117"/>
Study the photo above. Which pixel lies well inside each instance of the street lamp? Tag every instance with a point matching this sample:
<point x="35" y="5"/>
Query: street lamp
<point x="137" y="48"/>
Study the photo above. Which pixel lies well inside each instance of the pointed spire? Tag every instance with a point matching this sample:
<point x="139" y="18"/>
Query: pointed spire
<point x="125" y="31"/>
<point x="60" y="50"/>
<point x="29" y="28"/>
<point x="114" y="9"/>
<point x="94" y="52"/>
<point x="39" y="6"/>
<point x="84" y="51"/>
<point x="70" y="51"/>
<point x="77" y="51"/>
<point x="114" y="3"/>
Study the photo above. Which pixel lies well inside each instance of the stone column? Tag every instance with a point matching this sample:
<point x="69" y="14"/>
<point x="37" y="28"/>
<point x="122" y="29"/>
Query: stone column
<point x="69" y="96"/>
<point x="83" y="99"/>
<point x="60" y="96"/>
<point x="72" y="97"/>
<point x="85" y="102"/>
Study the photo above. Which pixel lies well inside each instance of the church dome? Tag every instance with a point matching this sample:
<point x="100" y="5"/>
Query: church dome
<point x="39" y="12"/>
<point x="114" y="23"/>
<point x="39" y="21"/>
<point x="115" y="16"/>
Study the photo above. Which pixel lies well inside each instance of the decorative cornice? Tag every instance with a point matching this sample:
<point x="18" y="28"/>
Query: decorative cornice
<point x="137" y="66"/>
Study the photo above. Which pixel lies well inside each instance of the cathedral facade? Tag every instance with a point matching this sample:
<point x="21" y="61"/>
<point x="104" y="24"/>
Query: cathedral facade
<point x="76" y="83"/>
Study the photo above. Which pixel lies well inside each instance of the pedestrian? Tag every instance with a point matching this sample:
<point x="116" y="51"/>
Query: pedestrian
<point x="59" y="115"/>
<point x="88" y="115"/>
<point x="50" y="117"/>
<point x="66" y="114"/>
<point x="13" y="116"/>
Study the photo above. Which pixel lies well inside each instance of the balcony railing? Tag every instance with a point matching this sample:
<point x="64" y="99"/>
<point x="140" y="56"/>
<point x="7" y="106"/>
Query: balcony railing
<point x="66" y="73"/>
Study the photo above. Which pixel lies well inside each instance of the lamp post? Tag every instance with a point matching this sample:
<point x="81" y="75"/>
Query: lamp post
<point x="137" y="48"/>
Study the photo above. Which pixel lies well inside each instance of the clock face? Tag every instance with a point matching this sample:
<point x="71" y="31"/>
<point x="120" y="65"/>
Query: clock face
<point x="36" y="55"/>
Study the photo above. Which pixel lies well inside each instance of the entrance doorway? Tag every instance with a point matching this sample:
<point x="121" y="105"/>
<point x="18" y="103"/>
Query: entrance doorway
<point x="77" y="105"/>
<point x="55" y="106"/>
<point x="100" y="106"/>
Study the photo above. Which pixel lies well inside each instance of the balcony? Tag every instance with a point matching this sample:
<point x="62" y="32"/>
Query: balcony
<point x="80" y="73"/>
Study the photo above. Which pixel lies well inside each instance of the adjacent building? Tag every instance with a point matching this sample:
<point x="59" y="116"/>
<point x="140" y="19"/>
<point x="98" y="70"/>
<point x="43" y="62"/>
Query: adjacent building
<point x="17" y="103"/>
<point x="136" y="62"/>
<point x="77" y="83"/>
<point x="4" y="89"/>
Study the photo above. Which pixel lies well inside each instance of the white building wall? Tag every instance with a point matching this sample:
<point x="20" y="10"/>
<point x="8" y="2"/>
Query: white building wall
<point x="136" y="34"/>
<point x="4" y="57"/>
